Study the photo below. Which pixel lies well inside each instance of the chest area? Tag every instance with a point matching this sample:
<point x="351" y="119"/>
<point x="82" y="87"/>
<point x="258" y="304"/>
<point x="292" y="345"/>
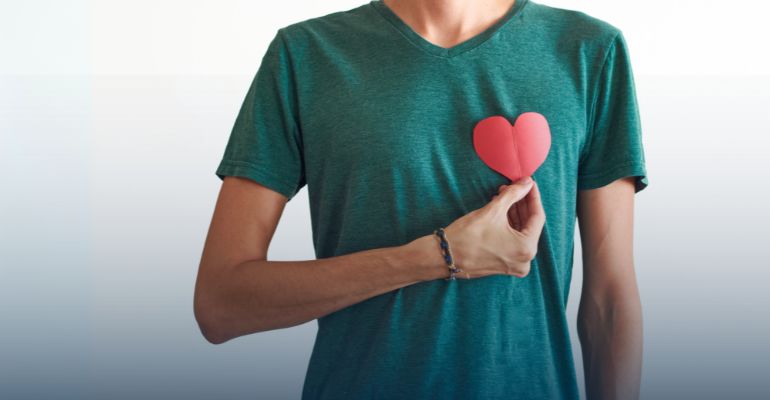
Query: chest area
<point x="402" y="117"/>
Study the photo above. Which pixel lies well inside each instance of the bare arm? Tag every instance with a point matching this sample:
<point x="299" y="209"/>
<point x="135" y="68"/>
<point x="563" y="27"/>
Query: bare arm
<point x="238" y="291"/>
<point x="609" y="315"/>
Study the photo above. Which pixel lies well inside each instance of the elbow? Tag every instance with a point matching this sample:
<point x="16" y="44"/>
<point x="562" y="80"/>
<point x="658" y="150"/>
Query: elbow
<point x="211" y="330"/>
<point x="212" y="334"/>
<point x="219" y="315"/>
<point x="216" y="323"/>
<point x="209" y="321"/>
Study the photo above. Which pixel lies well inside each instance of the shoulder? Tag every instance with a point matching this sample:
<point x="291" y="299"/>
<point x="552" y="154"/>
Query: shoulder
<point x="332" y="26"/>
<point x="572" y="25"/>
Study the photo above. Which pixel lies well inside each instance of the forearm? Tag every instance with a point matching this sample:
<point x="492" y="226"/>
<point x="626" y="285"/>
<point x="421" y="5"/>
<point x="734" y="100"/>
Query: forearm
<point x="263" y="295"/>
<point x="610" y="332"/>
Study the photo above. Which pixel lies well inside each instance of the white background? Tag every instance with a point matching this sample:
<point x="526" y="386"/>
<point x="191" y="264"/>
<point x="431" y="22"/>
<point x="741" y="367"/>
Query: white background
<point x="114" y="115"/>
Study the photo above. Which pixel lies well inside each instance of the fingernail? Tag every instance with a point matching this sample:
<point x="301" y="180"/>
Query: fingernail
<point x="526" y="180"/>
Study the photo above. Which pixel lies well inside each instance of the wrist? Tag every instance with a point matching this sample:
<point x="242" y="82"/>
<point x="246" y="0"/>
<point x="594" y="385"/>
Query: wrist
<point x="425" y="253"/>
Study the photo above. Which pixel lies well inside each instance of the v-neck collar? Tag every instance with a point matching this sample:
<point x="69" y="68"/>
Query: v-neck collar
<point x="446" y="52"/>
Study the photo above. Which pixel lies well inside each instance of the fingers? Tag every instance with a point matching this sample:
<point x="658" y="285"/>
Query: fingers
<point x="509" y="197"/>
<point x="536" y="215"/>
<point x="513" y="193"/>
<point x="520" y="216"/>
<point x="513" y="218"/>
<point x="523" y="208"/>
<point x="512" y="214"/>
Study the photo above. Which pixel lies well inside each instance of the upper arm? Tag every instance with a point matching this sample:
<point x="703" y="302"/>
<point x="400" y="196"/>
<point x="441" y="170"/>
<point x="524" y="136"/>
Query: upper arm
<point x="611" y="170"/>
<point x="262" y="167"/>
<point x="245" y="217"/>
<point x="605" y="218"/>
<point x="244" y="221"/>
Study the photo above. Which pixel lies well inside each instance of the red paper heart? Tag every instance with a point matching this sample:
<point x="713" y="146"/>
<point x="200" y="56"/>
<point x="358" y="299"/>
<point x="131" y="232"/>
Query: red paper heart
<point x="514" y="151"/>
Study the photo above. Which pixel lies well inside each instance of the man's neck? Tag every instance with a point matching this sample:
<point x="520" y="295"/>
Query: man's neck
<point x="446" y="23"/>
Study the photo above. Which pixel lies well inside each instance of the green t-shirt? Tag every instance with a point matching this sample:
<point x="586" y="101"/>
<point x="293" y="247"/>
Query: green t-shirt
<point x="377" y="122"/>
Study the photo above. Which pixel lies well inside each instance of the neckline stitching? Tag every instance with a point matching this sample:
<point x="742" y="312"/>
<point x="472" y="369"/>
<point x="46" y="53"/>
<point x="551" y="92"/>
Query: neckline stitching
<point x="435" y="50"/>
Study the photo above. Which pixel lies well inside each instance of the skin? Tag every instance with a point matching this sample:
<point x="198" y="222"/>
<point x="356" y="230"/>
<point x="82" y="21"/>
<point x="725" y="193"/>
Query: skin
<point x="610" y="312"/>
<point x="239" y="292"/>
<point x="447" y="23"/>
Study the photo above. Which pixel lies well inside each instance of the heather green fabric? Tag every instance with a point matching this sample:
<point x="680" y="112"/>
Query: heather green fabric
<point x="377" y="122"/>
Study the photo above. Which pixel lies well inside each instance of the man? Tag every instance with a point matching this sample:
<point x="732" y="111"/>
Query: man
<point x="373" y="109"/>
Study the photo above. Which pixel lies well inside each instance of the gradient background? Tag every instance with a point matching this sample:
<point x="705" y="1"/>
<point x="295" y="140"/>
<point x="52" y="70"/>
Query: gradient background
<point x="114" y="116"/>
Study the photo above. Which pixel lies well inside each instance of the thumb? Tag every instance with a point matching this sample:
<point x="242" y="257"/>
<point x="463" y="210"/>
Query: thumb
<point x="513" y="193"/>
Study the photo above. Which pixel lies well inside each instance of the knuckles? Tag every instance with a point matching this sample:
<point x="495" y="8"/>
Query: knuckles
<point x="525" y="254"/>
<point x="520" y="270"/>
<point x="521" y="262"/>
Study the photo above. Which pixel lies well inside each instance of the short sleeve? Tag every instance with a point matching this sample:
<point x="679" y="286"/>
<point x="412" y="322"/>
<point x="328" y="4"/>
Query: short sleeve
<point x="613" y="147"/>
<point x="265" y="143"/>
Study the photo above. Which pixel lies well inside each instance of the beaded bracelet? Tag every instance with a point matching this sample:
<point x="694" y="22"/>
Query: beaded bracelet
<point x="444" y="243"/>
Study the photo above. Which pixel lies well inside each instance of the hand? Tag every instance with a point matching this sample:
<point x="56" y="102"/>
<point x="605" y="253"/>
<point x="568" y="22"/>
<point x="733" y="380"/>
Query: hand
<point x="502" y="236"/>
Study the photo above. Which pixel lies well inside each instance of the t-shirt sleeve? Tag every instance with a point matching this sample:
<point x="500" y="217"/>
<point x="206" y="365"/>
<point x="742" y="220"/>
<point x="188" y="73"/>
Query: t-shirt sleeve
<point x="613" y="147"/>
<point x="265" y="143"/>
